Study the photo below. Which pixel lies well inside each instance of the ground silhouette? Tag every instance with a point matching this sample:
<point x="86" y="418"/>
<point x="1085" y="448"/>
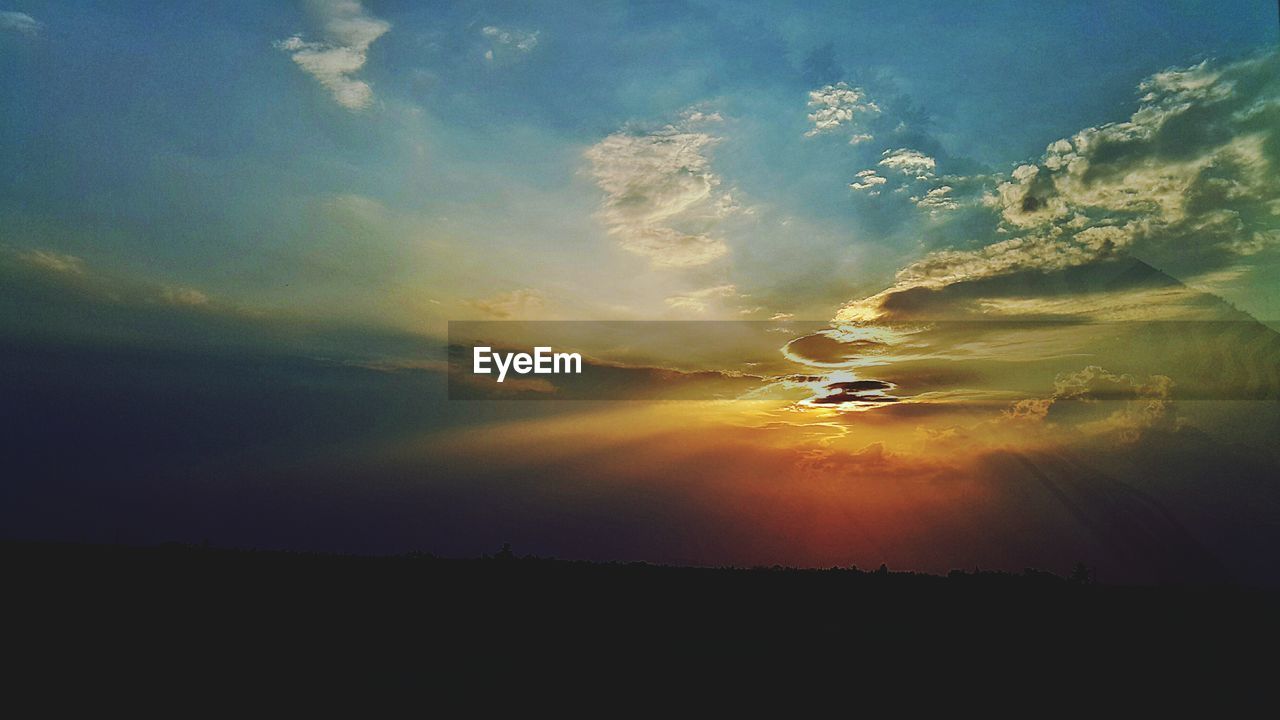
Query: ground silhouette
<point x="181" y="611"/>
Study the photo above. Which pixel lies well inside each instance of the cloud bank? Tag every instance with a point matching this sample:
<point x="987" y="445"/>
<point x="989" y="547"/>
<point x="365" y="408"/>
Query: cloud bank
<point x="1191" y="178"/>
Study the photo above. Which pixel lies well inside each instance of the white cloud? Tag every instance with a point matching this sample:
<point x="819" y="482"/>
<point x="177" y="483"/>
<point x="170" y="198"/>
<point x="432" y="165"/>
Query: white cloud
<point x="937" y="199"/>
<point x="660" y="193"/>
<point x="348" y="32"/>
<point x="910" y="162"/>
<point x="836" y="106"/>
<point x="868" y="180"/>
<point x="20" y="23"/>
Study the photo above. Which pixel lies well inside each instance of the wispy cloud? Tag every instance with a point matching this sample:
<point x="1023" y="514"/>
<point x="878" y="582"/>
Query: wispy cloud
<point x="660" y="192"/>
<point x="698" y="301"/>
<point x="508" y="41"/>
<point x="184" y="296"/>
<point x="20" y="22"/>
<point x="348" y="32"/>
<point x="53" y="261"/>
<point x="521" y="304"/>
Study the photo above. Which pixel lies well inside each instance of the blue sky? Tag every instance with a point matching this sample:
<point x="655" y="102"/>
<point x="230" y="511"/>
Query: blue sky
<point x="181" y="144"/>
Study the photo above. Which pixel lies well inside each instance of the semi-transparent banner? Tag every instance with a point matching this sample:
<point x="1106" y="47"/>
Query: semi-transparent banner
<point x="862" y="366"/>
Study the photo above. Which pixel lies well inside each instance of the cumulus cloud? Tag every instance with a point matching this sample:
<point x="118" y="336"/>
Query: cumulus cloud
<point x="1095" y="383"/>
<point x="20" y="23"/>
<point x="660" y="192"/>
<point x="937" y="199"/>
<point x="917" y="167"/>
<point x="868" y="180"/>
<point x="838" y="106"/>
<point x="1190" y="180"/>
<point x="1094" y="399"/>
<point x="1192" y="170"/>
<point x="348" y="32"/>
<point x="909" y="162"/>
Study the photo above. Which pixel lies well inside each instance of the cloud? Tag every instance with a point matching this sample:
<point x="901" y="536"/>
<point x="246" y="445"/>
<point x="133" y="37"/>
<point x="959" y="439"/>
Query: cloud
<point x="909" y="162"/>
<point x="1095" y="383"/>
<point x="839" y="106"/>
<point x="20" y="23"/>
<point x="516" y="304"/>
<point x="1189" y="181"/>
<point x="844" y="394"/>
<point x="1096" y="400"/>
<point x="937" y="199"/>
<point x="700" y="300"/>
<point x="508" y="41"/>
<point x="660" y="193"/>
<point x="1192" y="170"/>
<point x="918" y="168"/>
<point x="868" y="180"/>
<point x="348" y="32"/>
<point x="184" y="296"/>
<point x="842" y="347"/>
<point x="1033" y="281"/>
<point x="53" y="262"/>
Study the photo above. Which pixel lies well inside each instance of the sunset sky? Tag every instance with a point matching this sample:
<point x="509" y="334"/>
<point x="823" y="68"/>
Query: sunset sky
<point x="921" y="283"/>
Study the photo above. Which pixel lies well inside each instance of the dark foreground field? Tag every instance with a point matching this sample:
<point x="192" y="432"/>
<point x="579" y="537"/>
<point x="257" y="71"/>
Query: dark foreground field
<point x="196" y="615"/>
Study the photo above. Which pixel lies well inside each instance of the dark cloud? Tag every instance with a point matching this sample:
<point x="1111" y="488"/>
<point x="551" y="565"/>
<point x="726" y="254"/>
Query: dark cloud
<point x="853" y="398"/>
<point x="961" y="299"/>
<point x="825" y="349"/>
<point x="860" y="385"/>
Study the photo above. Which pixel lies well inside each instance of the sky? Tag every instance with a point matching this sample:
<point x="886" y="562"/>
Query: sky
<point x="987" y="284"/>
